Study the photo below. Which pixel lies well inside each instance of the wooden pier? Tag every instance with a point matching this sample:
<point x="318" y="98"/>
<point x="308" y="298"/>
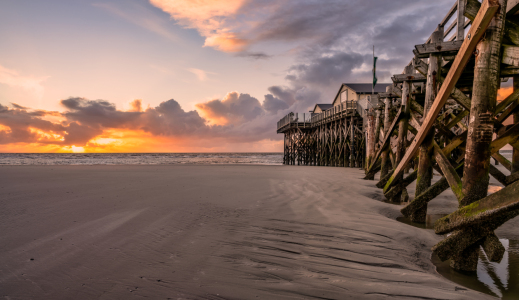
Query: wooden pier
<point x="440" y="114"/>
<point x="334" y="137"/>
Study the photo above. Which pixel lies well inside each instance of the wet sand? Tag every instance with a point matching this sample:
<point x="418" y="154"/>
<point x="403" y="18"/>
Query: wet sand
<point x="211" y="232"/>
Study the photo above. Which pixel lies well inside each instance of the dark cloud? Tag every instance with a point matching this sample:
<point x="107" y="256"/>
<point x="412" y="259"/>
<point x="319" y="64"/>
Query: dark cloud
<point x="273" y="104"/>
<point x="23" y="126"/>
<point x="234" y="108"/>
<point x="254" y="55"/>
<point x="86" y="119"/>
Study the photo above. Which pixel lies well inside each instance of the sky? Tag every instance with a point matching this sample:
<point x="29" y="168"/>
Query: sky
<point x="188" y="75"/>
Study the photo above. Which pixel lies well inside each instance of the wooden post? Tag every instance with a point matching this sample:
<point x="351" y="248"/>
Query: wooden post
<point x="515" y="154"/>
<point x="425" y="171"/>
<point x="481" y="121"/>
<point x="370" y="138"/>
<point x="482" y="20"/>
<point x="386" y="163"/>
<point x="461" y="20"/>
<point x="402" y="126"/>
<point x="352" y="143"/>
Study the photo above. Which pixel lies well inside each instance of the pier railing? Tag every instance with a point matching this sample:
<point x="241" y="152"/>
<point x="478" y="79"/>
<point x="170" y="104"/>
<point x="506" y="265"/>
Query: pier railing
<point x="308" y="120"/>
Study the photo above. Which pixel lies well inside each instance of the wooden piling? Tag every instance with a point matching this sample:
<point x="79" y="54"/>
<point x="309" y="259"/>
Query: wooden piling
<point x="386" y="163"/>
<point x="515" y="154"/>
<point x="425" y="171"/>
<point x="484" y="94"/>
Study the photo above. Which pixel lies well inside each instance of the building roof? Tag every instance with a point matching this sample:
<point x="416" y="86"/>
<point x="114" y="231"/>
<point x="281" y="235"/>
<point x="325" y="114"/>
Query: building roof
<point x="323" y="106"/>
<point x="361" y="88"/>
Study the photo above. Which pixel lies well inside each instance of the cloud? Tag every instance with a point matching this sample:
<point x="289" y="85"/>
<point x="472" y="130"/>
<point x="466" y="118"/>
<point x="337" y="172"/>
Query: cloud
<point x="139" y="16"/>
<point x="254" y="55"/>
<point x="234" y="108"/>
<point x="200" y="74"/>
<point x="14" y="79"/>
<point x="97" y="125"/>
<point x="210" y="18"/>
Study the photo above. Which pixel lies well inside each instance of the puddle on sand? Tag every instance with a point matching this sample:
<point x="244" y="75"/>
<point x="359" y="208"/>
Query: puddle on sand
<point x="496" y="279"/>
<point x="429" y="221"/>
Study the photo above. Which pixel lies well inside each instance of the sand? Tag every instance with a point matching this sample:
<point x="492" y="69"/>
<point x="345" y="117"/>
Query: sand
<point x="211" y="232"/>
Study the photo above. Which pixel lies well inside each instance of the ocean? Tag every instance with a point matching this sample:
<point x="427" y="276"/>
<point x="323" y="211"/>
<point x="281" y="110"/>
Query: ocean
<point x="275" y="158"/>
<point x="139" y="158"/>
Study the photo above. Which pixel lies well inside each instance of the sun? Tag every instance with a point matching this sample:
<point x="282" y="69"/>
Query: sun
<point x="77" y="149"/>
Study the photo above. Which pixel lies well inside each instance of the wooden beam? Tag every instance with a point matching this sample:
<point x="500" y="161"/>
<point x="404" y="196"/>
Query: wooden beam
<point x="511" y="136"/>
<point x="456" y="94"/>
<point x="448" y="48"/>
<point x="387" y="138"/>
<point x="512" y="7"/>
<point x="502" y="160"/>
<point x="509" y="71"/>
<point x="511" y="34"/>
<point x="479" y="26"/>
<point x="512" y="178"/>
<point x="510" y="55"/>
<point x="498" y="175"/>
<point x="457" y="119"/>
<point x="481" y="211"/>
<point x="448" y="171"/>
<point x="432" y="192"/>
<point x="460" y="34"/>
<point x="508" y="100"/>
<point x="416" y="77"/>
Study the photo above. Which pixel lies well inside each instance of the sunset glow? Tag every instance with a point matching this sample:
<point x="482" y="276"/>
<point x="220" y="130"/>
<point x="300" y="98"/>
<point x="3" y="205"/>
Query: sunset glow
<point x="184" y="76"/>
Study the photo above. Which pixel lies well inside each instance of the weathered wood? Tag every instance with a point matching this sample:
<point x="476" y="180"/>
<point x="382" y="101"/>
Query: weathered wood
<point x="397" y="189"/>
<point x="483" y="105"/>
<point x="511" y="34"/>
<point x="512" y="178"/>
<point x="511" y="136"/>
<point x="498" y="175"/>
<point x="456" y="94"/>
<point x="457" y="119"/>
<point x="461" y="239"/>
<point x="458" y="140"/>
<point x="414" y="77"/>
<point x="425" y="170"/>
<point x="481" y="22"/>
<point x="460" y="34"/>
<point x="432" y="192"/>
<point x="502" y="160"/>
<point x="387" y="137"/>
<point x="384" y="179"/>
<point x="448" y="48"/>
<point x="449" y="172"/>
<point x="509" y="71"/>
<point x="370" y="149"/>
<point x="510" y="55"/>
<point x="385" y="165"/>
<point x="488" y="209"/>
<point x="403" y="125"/>
<point x="449" y="15"/>
<point x="493" y="248"/>
<point x="515" y="153"/>
<point x="512" y="7"/>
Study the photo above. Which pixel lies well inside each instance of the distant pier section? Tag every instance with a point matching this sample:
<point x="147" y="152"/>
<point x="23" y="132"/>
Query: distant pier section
<point x="331" y="134"/>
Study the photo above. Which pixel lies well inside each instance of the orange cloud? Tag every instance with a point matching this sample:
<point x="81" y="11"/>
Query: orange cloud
<point x="212" y="18"/>
<point x="97" y="126"/>
<point x="136" y="105"/>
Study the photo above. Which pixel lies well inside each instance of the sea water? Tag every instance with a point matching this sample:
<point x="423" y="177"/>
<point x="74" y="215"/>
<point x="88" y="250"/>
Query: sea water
<point x="139" y="158"/>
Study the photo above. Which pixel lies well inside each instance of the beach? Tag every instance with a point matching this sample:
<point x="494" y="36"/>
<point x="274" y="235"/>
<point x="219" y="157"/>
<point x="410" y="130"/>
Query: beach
<point x="213" y="232"/>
